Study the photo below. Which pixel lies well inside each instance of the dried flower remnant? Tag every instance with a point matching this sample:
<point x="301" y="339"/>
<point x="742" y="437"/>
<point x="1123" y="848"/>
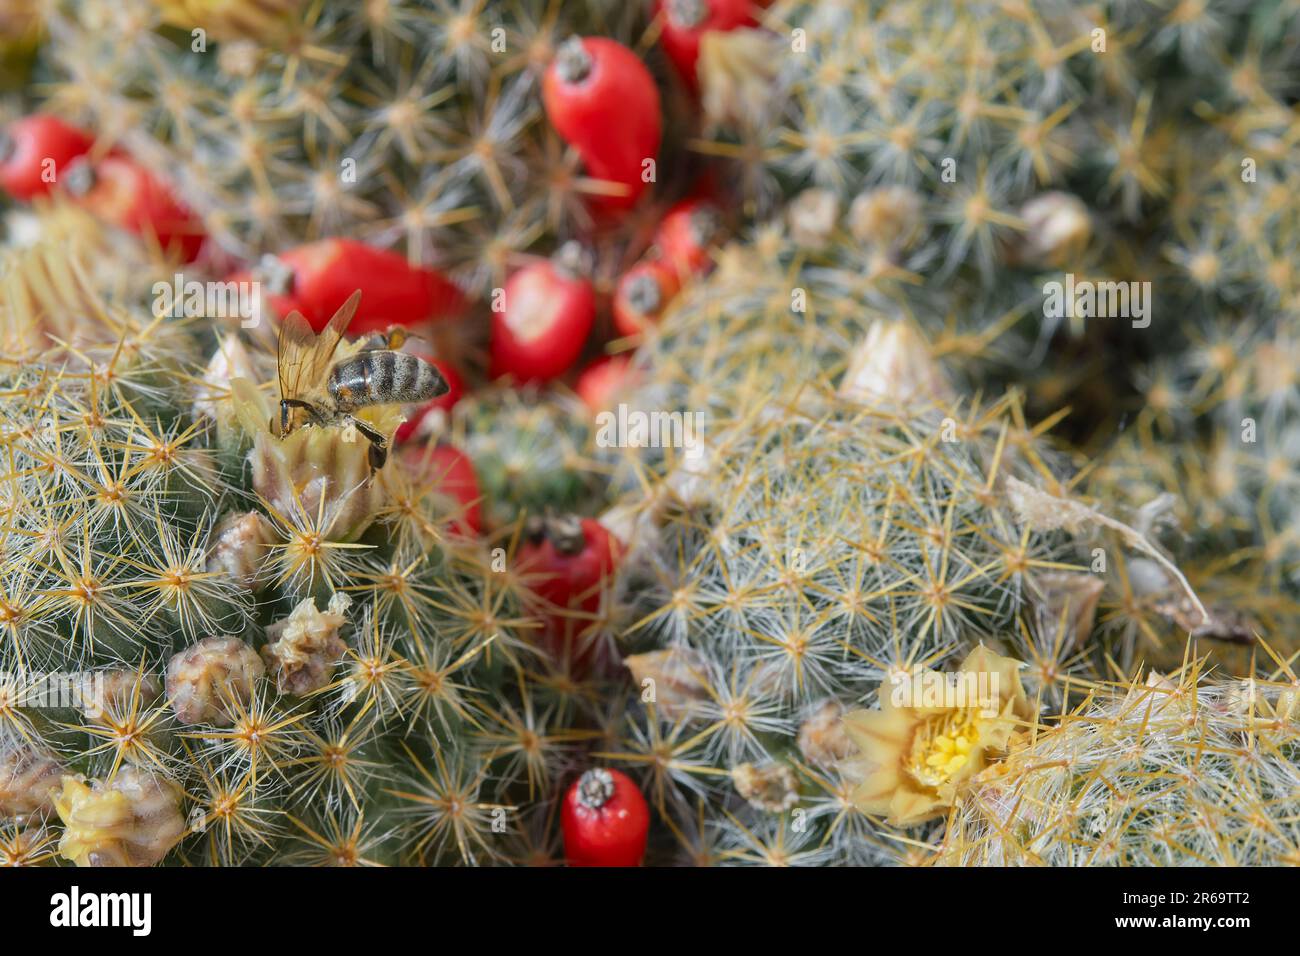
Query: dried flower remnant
<point x="208" y="680"/>
<point x="1043" y="511"/>
<point x="241" y="549"/>
<point x="305" y="646"/>
<point x="676" y="679"/>
<point x="132" y="820"/>
<point x="889" y="217"/>
<point x="914" y="758"/>
<point x="28" y="778"/>
<point x="772" y="787"/>
<point x="822" y="739"/>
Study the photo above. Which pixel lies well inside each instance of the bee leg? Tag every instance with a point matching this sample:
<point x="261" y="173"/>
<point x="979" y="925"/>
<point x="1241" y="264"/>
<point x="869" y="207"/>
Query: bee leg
<point x="378" y="443"/>
<point x="286" y="404"/>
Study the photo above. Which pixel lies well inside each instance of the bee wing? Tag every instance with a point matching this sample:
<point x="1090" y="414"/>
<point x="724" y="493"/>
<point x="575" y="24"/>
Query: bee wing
<point x="293" y="353"/>
<point x="303" y="356"/>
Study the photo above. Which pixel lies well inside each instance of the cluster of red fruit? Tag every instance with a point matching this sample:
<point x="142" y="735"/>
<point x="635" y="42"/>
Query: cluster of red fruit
<point x="603" y="101"/>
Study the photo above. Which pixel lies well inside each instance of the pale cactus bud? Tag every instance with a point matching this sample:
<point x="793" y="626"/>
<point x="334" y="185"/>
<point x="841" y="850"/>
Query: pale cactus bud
<point x="689" y="480"/>
<point x="29" y="777"/>
<point x="240" y="549"/>
<point x="822" y="739"/>
<point x="205" y="679"/>
<point x="888" y="218"/>
<point x="772" y="787"/>
<point x="893" y="366"/>
<point x="812" y="216"/>
<point x="305" y="646"/>
<point x="132" y="820"/>
<point x="296" y="472"/>
<point x="212" y="394"/>
<point x="1057" y="230"/>
<point x="678" y="675"/>
<point x="737" y="72"/>
<point x="239" y="58"/>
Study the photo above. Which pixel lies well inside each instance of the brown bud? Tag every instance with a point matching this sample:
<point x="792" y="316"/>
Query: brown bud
<point x="240" y="549"/>
<point x="28" y="775"/>
<point x="305" y="646"/>
<point x="822" y="739"/>
<point x="132" y="820"/>
<point x="772" y="787"/>
<point x="205" y="679"/>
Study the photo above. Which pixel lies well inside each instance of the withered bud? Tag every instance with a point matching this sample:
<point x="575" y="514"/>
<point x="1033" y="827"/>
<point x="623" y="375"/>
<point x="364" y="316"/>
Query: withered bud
<point x="1067" y="605"/>
<point x="772" y="787"/>
<point x="239" y="549"/>
<point x="132" y="820"/>
<point x="811" y="217"/>
<point x="29" y="777"/>
<point x="1057" y="231"/>
<point x="888" y="218"/>
<point x="305" y="646"/>
<point x="893" y="366"/>
<point x="678" y="679"/>
<point x="822" y="739"/>
<point x="207" y="678"/>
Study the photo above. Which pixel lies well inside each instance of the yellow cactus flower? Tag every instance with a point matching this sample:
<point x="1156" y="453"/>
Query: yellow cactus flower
<point x="932" y="733"/>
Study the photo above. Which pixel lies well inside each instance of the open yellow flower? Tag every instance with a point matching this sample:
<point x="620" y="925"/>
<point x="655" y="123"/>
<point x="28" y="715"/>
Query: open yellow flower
<point x="932" y="733"/>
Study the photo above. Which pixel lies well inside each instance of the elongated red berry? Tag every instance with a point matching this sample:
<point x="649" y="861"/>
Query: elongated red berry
<point x="568" y="559"/>
<point x="605" y="820"/>
<point x="604" y="381"/>
<point x="603" y="101"/>
<point x="686" y="22"/>
<point x="35" y="151"/>
<point x="687" y="234"/>
<point x="125" y="194"/>
<point x="642" y="294"/>
<point x="317" y="278"/>
<point x="450" y="473"/>
<point x="546" y="313"/>
<point x="443" y="403"/>
<point x="569" y="562"/>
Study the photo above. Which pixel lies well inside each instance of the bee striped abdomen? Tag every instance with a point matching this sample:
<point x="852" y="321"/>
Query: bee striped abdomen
<point x="383" y="377"/>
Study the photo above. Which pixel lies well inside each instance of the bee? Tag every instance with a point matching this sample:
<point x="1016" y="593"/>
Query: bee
<point x="329" y="391"/>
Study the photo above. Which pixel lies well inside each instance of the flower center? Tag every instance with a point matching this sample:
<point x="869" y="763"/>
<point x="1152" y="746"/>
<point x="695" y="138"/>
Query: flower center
<point x="942" y="746"/>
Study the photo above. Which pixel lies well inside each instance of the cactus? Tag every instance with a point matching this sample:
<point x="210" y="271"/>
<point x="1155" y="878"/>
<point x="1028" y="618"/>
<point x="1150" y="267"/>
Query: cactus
<point x="411" y="125"/>
<point x="821" y="547"/>
<point x="1179" y="770"/>
<point x="274" y="647"/>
